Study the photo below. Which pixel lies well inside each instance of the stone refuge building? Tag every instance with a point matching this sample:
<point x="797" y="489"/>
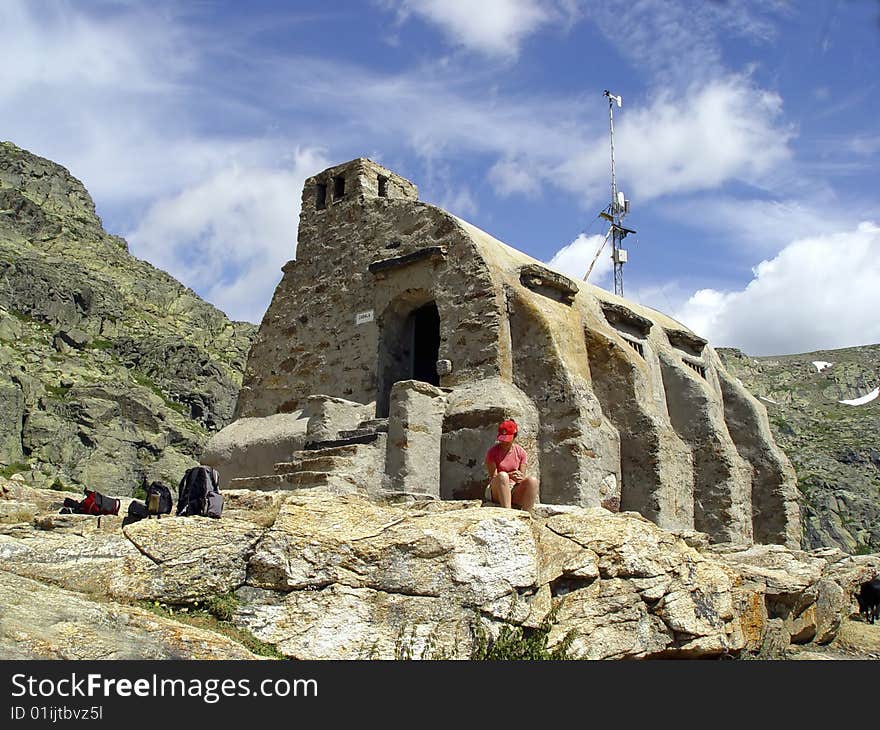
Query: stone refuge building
<point x="401" y="335"/>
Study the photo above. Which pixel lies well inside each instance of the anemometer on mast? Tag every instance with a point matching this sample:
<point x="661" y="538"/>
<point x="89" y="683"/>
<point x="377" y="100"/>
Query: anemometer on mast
<point x="615" y="212"/>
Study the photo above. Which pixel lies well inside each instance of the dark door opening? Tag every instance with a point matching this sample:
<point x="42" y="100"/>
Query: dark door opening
<point x="426" y="344"/>
<point x="410" y="346"/>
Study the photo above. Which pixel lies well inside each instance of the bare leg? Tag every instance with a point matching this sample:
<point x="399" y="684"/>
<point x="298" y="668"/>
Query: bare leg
<point x="501" y="488"/>
<point x="525" y="494"/>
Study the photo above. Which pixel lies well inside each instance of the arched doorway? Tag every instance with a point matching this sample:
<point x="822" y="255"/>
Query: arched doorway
<point x="409" y="345"/>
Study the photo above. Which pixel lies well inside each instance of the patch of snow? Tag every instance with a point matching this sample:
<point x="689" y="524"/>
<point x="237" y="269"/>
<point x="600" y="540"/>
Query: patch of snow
<point x="822" y="365"/>
<point x="769" y="400"/>
<point x="864" y="399"/>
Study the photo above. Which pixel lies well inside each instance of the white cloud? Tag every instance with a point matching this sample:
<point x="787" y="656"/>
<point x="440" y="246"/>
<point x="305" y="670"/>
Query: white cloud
<point x="864" y="145"/>
<point x="57" y="45"/>
<point x="817" y="293"/>
<point x="104" y="94"/>
<point x="761" y="226"/>
<point x="492" y="27"/>
<point x="725" y="130"/>
<point x="513" y="176"/>
<point x="574" y="259"/>
<point x="679" y="43"/>
<point x="120" y="99"/>
<point x="228" y="236"/>
<point x="460" y="202"/>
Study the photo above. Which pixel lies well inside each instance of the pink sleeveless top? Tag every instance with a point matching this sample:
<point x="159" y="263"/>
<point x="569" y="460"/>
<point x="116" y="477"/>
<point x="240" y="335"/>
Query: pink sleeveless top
<point x="513" y="460"/>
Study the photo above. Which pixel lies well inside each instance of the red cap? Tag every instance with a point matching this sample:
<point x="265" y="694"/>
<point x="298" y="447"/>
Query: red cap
<point x="506" y="431"/>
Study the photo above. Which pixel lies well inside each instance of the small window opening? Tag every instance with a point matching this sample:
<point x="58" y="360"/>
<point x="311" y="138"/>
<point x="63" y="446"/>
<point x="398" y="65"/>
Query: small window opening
<point x="696" y="368"/>
<point x="637" y="346"/>
<point x="383" y="186"/>
<point x="338" y="187"/>
<point x="321" y="197"/>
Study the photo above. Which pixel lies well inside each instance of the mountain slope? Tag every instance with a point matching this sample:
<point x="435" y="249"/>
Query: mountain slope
<point x="835" y="447"/>
<point x="111" y="371"/>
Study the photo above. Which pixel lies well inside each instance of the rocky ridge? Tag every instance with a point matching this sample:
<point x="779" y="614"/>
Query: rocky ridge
<point x="320" y="575"/>
<point x="113" y="372"/>
<point x="834" y="447"/>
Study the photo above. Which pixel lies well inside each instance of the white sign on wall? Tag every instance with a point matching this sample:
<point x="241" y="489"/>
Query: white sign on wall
<point x="363" y="317"/>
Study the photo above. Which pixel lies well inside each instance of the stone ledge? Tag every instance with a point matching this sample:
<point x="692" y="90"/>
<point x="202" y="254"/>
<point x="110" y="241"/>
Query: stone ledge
<point x="430" y="252"/>
<point x="550" y="283"/>
<point x="686" y="340"/>
<point x="618" y="314"/>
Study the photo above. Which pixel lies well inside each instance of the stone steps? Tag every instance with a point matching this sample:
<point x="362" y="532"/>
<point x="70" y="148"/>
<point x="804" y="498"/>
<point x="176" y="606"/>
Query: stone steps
<point x="306" y="478"/>
<point x="357" y="433"/>
<point x="323" y="463"/>
<point x="263" y="484"/>
<point x="378" y="425"/>
<point x="365" y="438"/>
<point x="344" y="450"/>
<point x="312" y="463"/>
<point x="271" y="482"/>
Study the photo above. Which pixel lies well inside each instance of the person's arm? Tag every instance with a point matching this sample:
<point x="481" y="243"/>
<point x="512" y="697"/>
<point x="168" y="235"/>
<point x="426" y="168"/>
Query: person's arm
<point x="491" y="468"/>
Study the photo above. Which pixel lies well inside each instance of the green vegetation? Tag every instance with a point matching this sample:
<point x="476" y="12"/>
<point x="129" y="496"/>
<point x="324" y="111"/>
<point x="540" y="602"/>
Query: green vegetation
<point x="406" y="641"/>
<point x="223" y="606"/>
<point x="520" y="643"/>
<point x="27" y="319"/>
<point x="100" y="344"/>
<point x="150" y="385"/>
<point x="14" y="468"/>
<point x="58" y="486"/>
<point x="57" y="391"/>
<point x="782" y="425"/>
<point x="202" y="615"/>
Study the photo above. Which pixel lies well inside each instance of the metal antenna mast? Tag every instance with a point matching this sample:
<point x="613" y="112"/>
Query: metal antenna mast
<point x="618" y="208"/>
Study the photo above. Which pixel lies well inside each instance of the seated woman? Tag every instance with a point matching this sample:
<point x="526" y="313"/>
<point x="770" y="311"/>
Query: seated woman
<point x="506" y="464"/>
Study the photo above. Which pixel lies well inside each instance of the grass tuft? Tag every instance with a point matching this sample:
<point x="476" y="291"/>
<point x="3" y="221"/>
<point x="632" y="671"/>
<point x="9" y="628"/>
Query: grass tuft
<point x="15" y="468"/>
<point x="209" y="615"/>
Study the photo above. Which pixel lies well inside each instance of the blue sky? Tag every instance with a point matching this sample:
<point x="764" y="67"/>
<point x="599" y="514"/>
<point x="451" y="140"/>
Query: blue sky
<point x="748" y="141"/>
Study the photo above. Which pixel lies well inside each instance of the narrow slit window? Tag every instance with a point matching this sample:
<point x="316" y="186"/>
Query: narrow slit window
<point x="696" y="368"/>
<point x="321" y="196"/>
<point x="637" y="346"/>
<point x="338" y="187"/>
<point x="383" y="186"/>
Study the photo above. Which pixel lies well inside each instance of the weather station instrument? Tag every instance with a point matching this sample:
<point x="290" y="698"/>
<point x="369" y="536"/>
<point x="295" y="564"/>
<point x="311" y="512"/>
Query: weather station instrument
<point x="614" y="212"/>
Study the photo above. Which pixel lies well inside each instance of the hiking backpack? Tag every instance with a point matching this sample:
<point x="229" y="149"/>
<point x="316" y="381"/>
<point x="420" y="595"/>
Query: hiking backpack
<point x="95" y="503"/>
<point x="158" y="499"/>
<point x="136" y="511"/>
<point x="199" y="493"/>
<point x="157" y="502"/>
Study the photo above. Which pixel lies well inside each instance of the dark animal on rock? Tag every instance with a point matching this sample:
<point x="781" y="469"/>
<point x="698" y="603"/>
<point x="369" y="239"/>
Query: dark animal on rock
<point x="869" y="599"/>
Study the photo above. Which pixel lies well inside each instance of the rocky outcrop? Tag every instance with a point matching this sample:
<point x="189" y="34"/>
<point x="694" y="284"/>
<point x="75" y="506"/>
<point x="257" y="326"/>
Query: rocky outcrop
<point x="832" y="445"/>
<point x="322" y="575"/>
<point x="45" y="622"/>
<point x="111" y="372"/>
